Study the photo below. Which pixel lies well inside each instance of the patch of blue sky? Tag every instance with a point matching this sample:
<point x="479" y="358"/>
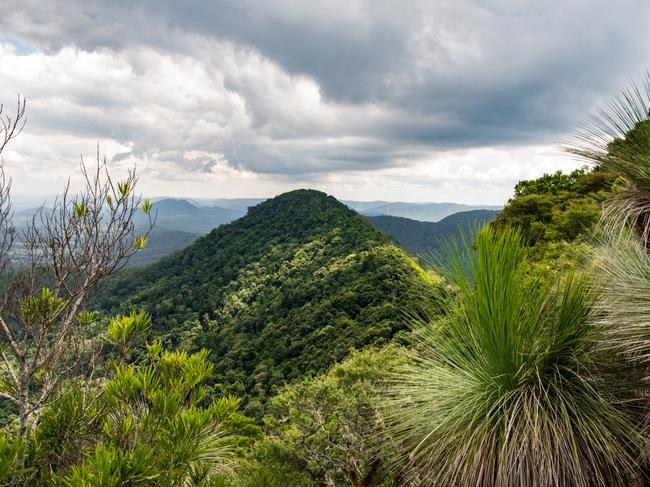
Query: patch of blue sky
<point x="21" y="49"/>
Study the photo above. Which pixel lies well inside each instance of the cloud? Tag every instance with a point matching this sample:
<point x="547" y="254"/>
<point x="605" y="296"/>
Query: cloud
<point x="274" y="94"/>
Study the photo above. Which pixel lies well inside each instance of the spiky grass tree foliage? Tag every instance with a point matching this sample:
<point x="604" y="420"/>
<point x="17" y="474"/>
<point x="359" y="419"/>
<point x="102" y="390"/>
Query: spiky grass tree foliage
<point x="622" y="266"/>
<point x="507" y="389"/>
<point x="617" y="139"/>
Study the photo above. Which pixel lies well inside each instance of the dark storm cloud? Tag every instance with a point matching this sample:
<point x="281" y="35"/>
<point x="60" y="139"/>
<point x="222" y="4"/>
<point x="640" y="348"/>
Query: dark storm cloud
<point x="447" y="74"/>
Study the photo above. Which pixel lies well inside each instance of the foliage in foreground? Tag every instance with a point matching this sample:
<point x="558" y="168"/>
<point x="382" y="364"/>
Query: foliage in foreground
<point x="510" y="388"/>
<point x="48" y="268"/>
<point x="150" y="423"/>
<point x="617" y="139"/>
<point x="333" y="424"/>
<point x="622" y="265"/>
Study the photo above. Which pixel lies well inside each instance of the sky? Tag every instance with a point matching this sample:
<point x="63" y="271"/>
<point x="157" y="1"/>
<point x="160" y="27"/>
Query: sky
<point x="438" y="100"/>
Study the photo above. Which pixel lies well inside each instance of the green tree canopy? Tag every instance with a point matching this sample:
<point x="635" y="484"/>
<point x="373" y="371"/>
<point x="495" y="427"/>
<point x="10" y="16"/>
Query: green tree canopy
<point x="284" y="292"/>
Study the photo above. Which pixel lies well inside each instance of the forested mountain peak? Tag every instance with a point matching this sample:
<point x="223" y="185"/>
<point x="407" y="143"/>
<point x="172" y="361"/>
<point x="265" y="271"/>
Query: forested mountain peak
<point x="304" y="212"/>
<point x="287" y="290"/>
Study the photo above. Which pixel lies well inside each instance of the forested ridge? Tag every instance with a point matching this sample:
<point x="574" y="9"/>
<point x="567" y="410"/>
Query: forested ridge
<point x="425" y="239"/>
<point x="557" y="214"/>
<point x="282" y="293"/>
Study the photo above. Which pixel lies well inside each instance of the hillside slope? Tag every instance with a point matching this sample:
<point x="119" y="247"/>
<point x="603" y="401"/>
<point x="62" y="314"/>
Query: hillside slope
<point x="181" y="215"/>
<point x="420" y="237"/>
<point x="426" y="212"/>
<point x="285" y="291"/>
<point x="558" y="213"/>
<point x="162" y="242"/>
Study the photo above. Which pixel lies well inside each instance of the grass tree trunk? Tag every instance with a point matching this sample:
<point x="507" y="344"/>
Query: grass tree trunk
<point x="373" y="477"/>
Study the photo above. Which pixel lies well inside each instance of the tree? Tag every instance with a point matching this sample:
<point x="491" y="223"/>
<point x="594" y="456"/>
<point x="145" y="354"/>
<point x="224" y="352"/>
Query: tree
<point x="66" y="251"/>
<point x="332" y="424"/>
<point x="150" y="421"/>
<point x="557" y="207"/>
<point x="617" y="139"/>
<point x="549" y="183"/>
<point x="512" y="387"/>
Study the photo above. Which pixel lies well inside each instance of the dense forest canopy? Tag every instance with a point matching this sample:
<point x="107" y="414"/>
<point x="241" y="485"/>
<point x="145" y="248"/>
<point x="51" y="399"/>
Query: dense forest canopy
<point x="284" y="292"/>
<point x="557" y="213"/>
<point x="558" y="206"/>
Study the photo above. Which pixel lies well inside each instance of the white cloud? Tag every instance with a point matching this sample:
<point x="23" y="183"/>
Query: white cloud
<point x="423" y="101"/>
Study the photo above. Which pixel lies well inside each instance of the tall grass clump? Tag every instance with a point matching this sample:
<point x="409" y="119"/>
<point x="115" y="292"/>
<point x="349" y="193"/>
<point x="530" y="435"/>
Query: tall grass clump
<point x="617" y="139"/>
<point x="622" y="267"/>
<point x="510" y="388"/>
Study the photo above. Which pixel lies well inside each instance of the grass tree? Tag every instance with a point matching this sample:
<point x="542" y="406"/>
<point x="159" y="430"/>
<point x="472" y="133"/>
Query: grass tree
<point x="622" y="265"/>
<point x="617" y="139"/>
<point x="511" y="387"/>
<point x="48" y="269"/>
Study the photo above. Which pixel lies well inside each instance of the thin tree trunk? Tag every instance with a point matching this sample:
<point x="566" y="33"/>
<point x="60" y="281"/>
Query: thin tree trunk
<point x="23" y="400"/>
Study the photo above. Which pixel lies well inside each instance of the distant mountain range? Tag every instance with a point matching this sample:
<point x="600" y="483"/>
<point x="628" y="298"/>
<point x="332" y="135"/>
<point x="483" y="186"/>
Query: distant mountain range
<point x="422" y="238"/>
<point x="181" y="214"/>
<point x="427" y="212"/>
<point x="424" y="212"/>
<point x="239" y="204"/>
<point x="228" y="209"/>
<point x="180" y="221"/>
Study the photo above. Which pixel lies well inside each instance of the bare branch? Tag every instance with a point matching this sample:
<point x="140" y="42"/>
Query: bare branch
<point x="11" y="127"/>
<point x="83" y="239"/>
<point x="18" y="353"/>
<point x="65" y="252"/>
<point x="9" y="368"/>
<point x="9" y="397"/>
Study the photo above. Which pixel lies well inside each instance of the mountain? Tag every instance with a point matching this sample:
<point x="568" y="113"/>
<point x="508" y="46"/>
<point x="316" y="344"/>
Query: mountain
<point x="428" y="212"/>
<point x="240" y="204"/>
<point x="180" y="214"/>
<point x="284" y="292"/>
<point x="425" y="237"/>
<point x="364" y="206"/>
<point x="431" y="212"/>
<point x="161" y="242"/>
<point x="181" y="221"/>
<point x="23" y="218"/>
<point x="178" y="224"/>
